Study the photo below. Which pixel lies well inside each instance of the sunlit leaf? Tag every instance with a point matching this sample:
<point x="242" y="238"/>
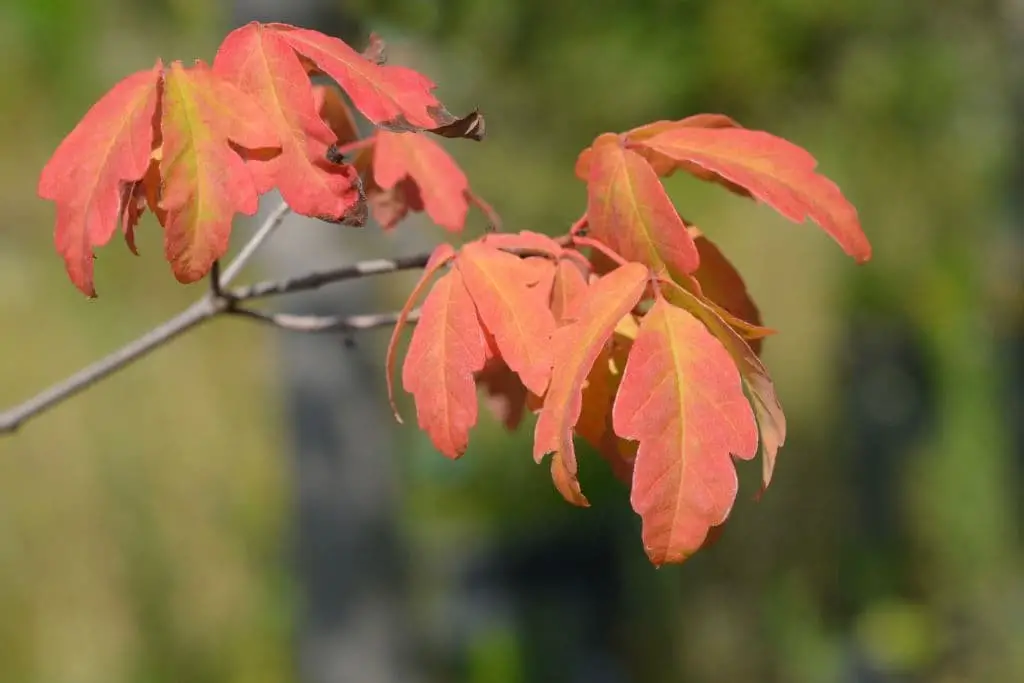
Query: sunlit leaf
<point x="447" y="348"/>
<point x="442" y="254"/>
<point x="771" y="420"/>
<point x="575" y="348"/>
<point x="439" y="183"/>
<point x="500" y="284"/>
<point x="629" y="211"/>
<point x="682" y="399"/>
<point x="773" y="170"/>
<point x="265" y="67"/>
<point x="86" y="177"/>
<point x="205" y="181"/>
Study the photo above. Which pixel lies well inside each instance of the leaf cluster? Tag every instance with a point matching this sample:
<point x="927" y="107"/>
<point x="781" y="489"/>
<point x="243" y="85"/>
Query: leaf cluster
<point x="632" y="331"/>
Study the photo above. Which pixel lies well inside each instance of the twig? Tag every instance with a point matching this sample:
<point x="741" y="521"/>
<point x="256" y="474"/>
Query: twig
<point x="272" y="223"/>
<point x="216" y="302"/>
<point x="318" y="279"/>
<point x="202" y="310"/>
<point x="219" y="300"/>
<point x="323" y="323"/>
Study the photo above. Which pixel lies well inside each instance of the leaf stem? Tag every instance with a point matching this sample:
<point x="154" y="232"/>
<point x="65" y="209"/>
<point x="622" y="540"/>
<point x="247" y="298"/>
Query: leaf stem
<point x="271" y="224"/>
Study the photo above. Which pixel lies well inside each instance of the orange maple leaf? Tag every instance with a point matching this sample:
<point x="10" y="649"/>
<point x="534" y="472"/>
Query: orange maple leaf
<point x="629" y="210"/>
<point x="205" y="181"/>
<point x="447" y="348"/>
<point x="419" y="175"/>
<point x="682" y="399"/>
<point x="575" y="348"/>
<point x="771" y="421"/>
<point x="92" y="174"/>
<point x="504" y="289"/>
<point x="442" y="254"/>
<point x="666" y="166"/>
<point x="393" y="97"/>
<point x="771" y="169"/>
<point x="266" y="67"/>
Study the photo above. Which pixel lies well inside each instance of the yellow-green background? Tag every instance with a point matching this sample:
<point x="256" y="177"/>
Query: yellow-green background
<point x="143" y="523"/>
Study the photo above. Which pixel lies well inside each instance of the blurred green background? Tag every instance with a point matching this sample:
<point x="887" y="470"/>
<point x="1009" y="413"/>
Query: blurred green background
<point x="145" y="526"/>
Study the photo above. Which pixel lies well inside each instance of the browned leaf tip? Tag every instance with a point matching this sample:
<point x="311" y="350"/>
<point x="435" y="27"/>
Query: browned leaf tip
<point x="470" y="126"/>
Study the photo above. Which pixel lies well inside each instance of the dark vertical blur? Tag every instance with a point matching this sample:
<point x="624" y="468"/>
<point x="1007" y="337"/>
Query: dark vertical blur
<point x="349" y="564"/>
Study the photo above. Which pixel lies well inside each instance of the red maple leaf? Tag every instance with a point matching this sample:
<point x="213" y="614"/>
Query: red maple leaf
<point x="266" y="67"/>
<point x="415" y="173"/>
<point x="393" y="97"/>
<point x="87" y="176"/>
<point x="503" y="287"/>
<point x="205" y="181"/>
<point x="447" y="348"/>
<point x="629" y="210"/>
<point x="575" y="348"/>
<point x="682" y="399"/>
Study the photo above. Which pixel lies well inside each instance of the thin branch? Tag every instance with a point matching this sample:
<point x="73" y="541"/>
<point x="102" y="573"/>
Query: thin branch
<point x="199" y="312"/>
<point x="319" y="278"/>
<point x="272" y="223"/>
<point x="323" y="323"/>
<point x="220" y="301"/>
<point x="216" y="302"/>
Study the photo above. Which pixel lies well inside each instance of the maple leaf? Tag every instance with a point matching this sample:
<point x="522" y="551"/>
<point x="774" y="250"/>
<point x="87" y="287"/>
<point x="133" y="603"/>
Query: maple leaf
<point x="205" y="181"/>
<point x="504" y="290"/>
<point x="264" y="66"/>
<point x="771" y="421"/>
<point x="575" y="348"/>
<point x="447" y="348"/>
<point x="664" y="165"/>
<point x="771" y="169"/>
<point x="682" y="399"/>
<point x="431" y="180"/>
<point x="86" y="177"/>
<point x="442" y="254"/>
<point x="629" y="210"/>
<point x="392" y="97"/>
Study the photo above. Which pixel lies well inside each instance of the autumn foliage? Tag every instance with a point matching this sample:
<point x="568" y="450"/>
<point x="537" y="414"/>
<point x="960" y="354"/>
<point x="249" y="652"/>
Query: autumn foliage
<point x="631" y="332"/>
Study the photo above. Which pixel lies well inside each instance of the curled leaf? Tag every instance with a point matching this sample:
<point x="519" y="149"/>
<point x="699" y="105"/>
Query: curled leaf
<point x="773" y="170"/>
